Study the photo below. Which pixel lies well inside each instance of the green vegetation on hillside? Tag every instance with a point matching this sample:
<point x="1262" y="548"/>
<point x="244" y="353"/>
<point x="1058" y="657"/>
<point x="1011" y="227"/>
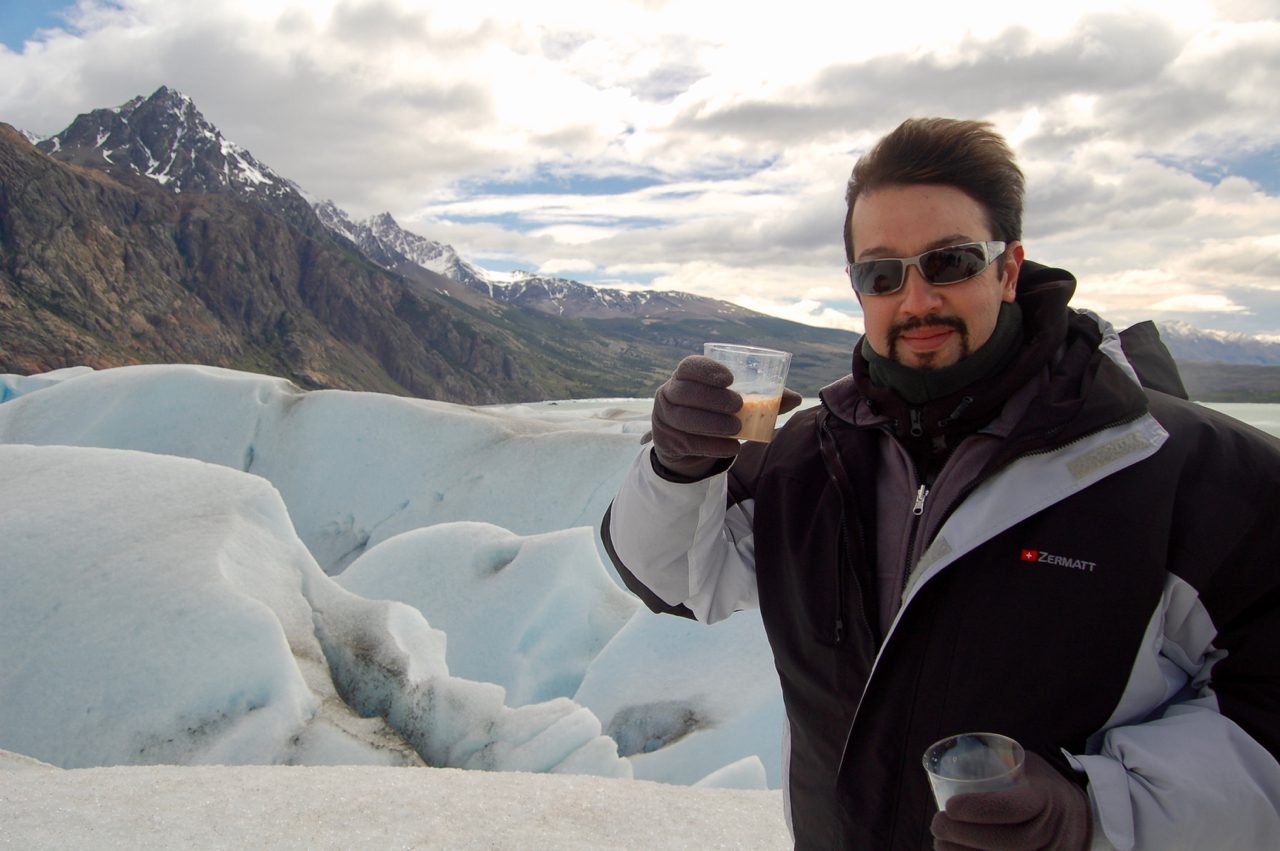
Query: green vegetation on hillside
<point x="1229" y="382"/>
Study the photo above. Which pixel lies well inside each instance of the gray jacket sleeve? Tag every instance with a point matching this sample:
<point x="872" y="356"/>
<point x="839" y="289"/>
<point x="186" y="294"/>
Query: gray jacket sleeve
<point x="1170" y="771"/>
<point x="683" y="542"/>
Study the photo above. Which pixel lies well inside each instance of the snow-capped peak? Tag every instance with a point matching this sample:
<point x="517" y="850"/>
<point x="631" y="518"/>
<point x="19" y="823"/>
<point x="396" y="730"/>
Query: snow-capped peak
<point x="164" y="137"/>
<point x="1187" y="342"/>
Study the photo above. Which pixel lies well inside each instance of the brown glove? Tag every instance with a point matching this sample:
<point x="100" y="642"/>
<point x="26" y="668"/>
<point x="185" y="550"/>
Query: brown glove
<point x="1047" y="812"/>
<point x="693" y="422"/>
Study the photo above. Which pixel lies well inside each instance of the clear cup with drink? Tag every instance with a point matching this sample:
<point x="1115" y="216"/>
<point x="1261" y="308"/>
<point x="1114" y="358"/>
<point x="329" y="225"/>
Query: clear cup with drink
<point x="973" y="762"/>
<point x="758" y="376"/>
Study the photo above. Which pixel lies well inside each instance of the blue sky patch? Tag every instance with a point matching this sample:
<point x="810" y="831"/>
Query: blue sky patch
<point x="546" y="183"/>
<point x="844" y="305"/>
<point x="19" y="19"/>
<point x="1261" y="166"/>
<point x="564" y="181"/>
<point x="500" y="264"/>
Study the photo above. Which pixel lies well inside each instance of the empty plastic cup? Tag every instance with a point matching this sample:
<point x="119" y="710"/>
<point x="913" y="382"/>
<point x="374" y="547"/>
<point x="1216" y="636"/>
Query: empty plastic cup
<point x="758" y="376"/>
<point x="973" y="762"/>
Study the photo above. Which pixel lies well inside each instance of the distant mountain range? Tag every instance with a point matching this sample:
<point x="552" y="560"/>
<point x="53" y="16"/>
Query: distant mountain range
<point x="159" y="240"/>
<point x="1186" y="342"/>
<point x="391" y="246"/>
<point x="140" y="234"/>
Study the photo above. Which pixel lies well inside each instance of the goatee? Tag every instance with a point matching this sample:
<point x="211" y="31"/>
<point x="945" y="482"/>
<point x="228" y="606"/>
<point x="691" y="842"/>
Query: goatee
<point x="897" y="329"/>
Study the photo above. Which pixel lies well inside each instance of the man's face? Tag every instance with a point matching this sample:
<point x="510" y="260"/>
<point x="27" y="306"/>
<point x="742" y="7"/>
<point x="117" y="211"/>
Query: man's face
<point x="923" y="325"/>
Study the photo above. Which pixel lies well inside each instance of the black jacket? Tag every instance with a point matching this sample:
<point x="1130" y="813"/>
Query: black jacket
<point x="1114" y="533"/>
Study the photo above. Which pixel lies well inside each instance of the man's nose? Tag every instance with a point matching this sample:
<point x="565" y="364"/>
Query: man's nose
<point x="919" y="297"/>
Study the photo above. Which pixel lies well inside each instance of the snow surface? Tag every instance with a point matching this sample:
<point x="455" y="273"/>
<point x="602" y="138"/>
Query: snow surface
<point x="206" y="566"/>
<point x="339" y="808"/>
<point x="327" y="592"/>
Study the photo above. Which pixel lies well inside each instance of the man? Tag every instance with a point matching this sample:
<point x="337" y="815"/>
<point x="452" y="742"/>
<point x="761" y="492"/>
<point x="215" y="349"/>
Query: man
<point x="990" y="525"/>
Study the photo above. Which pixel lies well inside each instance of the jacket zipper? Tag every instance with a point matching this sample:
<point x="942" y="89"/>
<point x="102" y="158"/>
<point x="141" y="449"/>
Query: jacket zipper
<point x="827" y="446"/>
<point x="964" y="493"/>
<point x="917" y="512"/>
<point x="917" y="425"/>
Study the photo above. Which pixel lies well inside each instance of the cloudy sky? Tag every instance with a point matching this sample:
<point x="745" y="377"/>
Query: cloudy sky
<point x="700" y="146"/>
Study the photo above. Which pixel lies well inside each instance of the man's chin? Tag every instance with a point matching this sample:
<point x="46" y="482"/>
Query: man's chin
<point x="939" y="359"/>
<point x="952" y="349"/>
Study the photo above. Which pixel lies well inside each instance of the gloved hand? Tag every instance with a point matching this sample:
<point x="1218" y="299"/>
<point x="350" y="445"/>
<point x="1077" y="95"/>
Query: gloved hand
<point x="693" y="422"/>
<point x="1047" y="811"/>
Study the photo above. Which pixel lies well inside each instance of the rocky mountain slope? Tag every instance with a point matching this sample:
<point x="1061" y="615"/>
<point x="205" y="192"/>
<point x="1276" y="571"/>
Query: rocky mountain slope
<point x="105" y="269"/>
<point x="164" y="137"/>
<point x="661" y="326"/>
<point x="141" y="234"/>
<point x="105" y="266"/>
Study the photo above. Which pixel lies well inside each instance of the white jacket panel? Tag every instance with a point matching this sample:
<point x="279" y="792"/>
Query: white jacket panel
<point x="680" y="541"/>
<point x="1188" y="778"/>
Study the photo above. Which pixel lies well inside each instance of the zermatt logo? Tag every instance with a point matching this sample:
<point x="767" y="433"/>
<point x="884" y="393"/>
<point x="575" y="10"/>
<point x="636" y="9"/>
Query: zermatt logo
<point x="1047" y="558"/>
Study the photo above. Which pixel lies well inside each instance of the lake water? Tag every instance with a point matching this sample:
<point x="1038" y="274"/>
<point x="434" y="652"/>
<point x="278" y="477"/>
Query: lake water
<point x="1264" y="417"/>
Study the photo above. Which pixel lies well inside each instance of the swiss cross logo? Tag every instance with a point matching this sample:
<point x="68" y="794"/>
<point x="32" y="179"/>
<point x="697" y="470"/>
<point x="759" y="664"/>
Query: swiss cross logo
<point x="1061" y="561"/>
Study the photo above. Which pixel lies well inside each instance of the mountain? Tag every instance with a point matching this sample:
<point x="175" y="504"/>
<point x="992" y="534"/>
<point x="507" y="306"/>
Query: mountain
<point x="164" y="137"/>
<point x="405" y="253"/>
<point x="140" y="234"/>
<point x="661" y="326"/>
<point x="104" y="271"/>
<point x="1230" y="382"/>
<point x="391" y="246"/>
<point x="1186" y="342"/>
<point x="105" y="266"/>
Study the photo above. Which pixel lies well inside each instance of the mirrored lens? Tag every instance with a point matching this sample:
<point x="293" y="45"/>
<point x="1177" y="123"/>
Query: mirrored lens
<point x="877" y="277"/>
<point x="952" y="265"/>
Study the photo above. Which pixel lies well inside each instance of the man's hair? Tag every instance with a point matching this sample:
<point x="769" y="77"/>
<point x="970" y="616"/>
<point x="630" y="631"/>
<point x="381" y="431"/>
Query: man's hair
<point x="965" y="154"/>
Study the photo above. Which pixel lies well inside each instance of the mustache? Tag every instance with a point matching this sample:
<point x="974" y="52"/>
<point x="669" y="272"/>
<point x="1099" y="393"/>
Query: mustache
<point x="897" y="329"/>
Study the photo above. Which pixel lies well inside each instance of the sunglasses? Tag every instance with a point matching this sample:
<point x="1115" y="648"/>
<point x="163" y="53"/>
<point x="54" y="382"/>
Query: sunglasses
<point x="949" y="265"/>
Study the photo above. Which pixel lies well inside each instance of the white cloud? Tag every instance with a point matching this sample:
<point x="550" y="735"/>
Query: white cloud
<point x="562" y="266"/>
<point x="1198" y="303"/>
<point x="806" y="311"/>
<point x="749" y="123"/>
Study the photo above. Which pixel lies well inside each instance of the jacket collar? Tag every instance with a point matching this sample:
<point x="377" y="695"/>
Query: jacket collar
<point x="1054" y="339"/>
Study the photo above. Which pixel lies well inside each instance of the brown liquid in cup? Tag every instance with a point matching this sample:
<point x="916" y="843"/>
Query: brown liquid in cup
<point x="758" y="416"/>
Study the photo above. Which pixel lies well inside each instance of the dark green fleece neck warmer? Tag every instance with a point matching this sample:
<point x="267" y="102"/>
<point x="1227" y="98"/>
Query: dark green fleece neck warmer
<point x="919" y="386"/>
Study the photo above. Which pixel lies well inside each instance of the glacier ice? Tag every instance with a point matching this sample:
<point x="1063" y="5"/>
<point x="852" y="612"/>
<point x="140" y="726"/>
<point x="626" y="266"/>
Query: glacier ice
<point x="353" y="468"/>
<point x="683" y="699"/>
<point x="162" y="610"/>
<point x="483" y="520"/>
<point x="526" y="612"/>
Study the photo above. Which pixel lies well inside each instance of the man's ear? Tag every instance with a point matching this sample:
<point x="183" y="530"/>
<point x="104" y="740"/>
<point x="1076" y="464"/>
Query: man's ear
<point x="1010" y="266"/>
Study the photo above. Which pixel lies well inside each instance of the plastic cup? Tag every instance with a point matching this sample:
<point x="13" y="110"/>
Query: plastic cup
<point x="973" y="762"/>
<point x="758" y="376"/>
